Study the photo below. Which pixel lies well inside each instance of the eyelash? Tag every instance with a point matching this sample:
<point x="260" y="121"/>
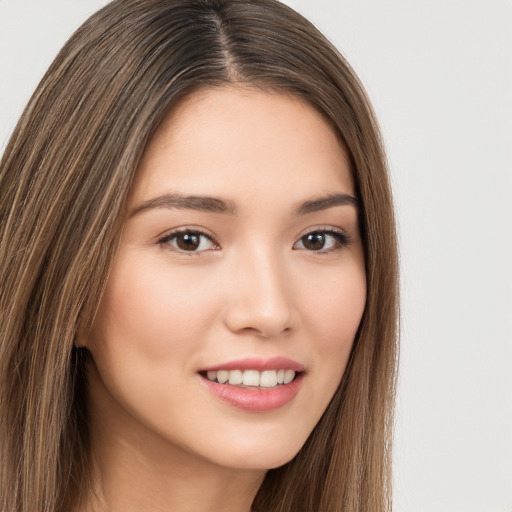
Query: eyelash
<point x="164" y="242"/>
<point x="342" y="239"/>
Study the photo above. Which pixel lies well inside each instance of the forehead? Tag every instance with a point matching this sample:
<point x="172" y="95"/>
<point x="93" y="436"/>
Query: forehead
<point x="243" y="142"/>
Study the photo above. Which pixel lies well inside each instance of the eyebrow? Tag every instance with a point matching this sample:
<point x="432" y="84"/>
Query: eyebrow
<point x="178" y="201"/>
<point x="217" y="205"/>
<point x="323" y="203"/>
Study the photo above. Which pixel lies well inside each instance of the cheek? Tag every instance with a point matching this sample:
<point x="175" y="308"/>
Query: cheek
<point x="334" y="305"/>
<point x="149" y="328"/>
<point x="153" y="311"/>
<point x="331" y="314"/>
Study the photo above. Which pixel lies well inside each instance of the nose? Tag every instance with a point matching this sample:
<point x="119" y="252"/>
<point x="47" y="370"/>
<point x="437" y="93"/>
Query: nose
<point x="260" y="298"/>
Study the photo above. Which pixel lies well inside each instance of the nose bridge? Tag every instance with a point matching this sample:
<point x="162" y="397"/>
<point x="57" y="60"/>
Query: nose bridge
<point x="261" y="300"/>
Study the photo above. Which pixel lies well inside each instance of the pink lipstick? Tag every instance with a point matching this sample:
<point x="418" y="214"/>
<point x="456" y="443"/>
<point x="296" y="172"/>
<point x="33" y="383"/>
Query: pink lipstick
<point x="255" y="384"/>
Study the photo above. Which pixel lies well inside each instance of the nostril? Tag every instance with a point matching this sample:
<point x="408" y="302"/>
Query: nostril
<point x="266" y="332"/>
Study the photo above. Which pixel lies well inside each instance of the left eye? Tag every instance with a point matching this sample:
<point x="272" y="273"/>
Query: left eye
<point x="189" y="241"/>
<point x="321" y="241"/>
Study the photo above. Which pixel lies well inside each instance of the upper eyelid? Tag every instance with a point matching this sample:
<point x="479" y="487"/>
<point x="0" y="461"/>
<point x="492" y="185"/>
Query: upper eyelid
<point x="207" y="233"/>
<point x="325" y="229"/>
<point x="186" y="229"/>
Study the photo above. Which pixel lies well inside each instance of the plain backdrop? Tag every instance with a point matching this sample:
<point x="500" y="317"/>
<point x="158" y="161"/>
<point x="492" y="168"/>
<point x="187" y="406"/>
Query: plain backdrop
<point x="439" y="73"/>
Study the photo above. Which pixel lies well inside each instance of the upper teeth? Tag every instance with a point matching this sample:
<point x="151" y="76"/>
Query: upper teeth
<point x="265" y="379"/>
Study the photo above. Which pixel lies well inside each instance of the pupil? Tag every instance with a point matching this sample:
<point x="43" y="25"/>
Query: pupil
<point x="188" y="241"/>
<point x="314" y="241"/>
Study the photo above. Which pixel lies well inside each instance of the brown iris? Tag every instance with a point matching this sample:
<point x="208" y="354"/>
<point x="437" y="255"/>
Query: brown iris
<point x="189" y="241"/>
<point x="314" y="241"/>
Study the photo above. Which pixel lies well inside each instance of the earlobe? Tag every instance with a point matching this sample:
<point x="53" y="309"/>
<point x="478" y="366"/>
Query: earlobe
<point x="81" y="339"/>
<point x="79" y="342"/>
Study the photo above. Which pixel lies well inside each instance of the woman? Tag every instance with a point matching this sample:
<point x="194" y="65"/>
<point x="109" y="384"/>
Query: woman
<point x="199" y="271"/>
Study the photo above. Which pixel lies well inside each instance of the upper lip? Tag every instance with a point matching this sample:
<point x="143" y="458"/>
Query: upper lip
<point x="258" y="363"/>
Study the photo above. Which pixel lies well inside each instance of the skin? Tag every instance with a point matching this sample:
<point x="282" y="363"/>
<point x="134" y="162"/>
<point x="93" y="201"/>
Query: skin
<point x="160" y="439"/>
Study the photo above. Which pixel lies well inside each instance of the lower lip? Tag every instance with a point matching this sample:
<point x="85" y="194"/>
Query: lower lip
<point x="255" y="400"/>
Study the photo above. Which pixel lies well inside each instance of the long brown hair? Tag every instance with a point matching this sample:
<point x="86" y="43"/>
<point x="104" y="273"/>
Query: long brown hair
<point x="64" y="179"/>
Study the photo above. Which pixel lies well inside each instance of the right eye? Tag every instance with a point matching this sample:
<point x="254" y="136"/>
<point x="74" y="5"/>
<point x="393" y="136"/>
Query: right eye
<point x="188" y="240"/>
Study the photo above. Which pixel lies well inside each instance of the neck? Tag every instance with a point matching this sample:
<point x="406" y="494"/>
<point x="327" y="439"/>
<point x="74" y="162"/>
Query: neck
<point x="131" y="482"/>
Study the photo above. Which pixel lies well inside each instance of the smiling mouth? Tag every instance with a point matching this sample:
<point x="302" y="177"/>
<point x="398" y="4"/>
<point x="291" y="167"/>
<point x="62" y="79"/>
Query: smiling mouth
<point x="248" y="389"/>
<point x="265" y="379"/>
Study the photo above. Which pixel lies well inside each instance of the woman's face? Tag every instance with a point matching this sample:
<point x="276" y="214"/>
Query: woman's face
<point x="240" y="259"/>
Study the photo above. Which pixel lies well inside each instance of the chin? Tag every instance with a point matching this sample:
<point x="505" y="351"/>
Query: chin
<point x="257" y="454"/>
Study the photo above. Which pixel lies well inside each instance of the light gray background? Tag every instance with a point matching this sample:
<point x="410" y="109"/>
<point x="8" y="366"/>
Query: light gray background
<point x="440" y="75"/>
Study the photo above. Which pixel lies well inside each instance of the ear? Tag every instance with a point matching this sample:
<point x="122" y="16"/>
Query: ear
<point x="81" y="335"/>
